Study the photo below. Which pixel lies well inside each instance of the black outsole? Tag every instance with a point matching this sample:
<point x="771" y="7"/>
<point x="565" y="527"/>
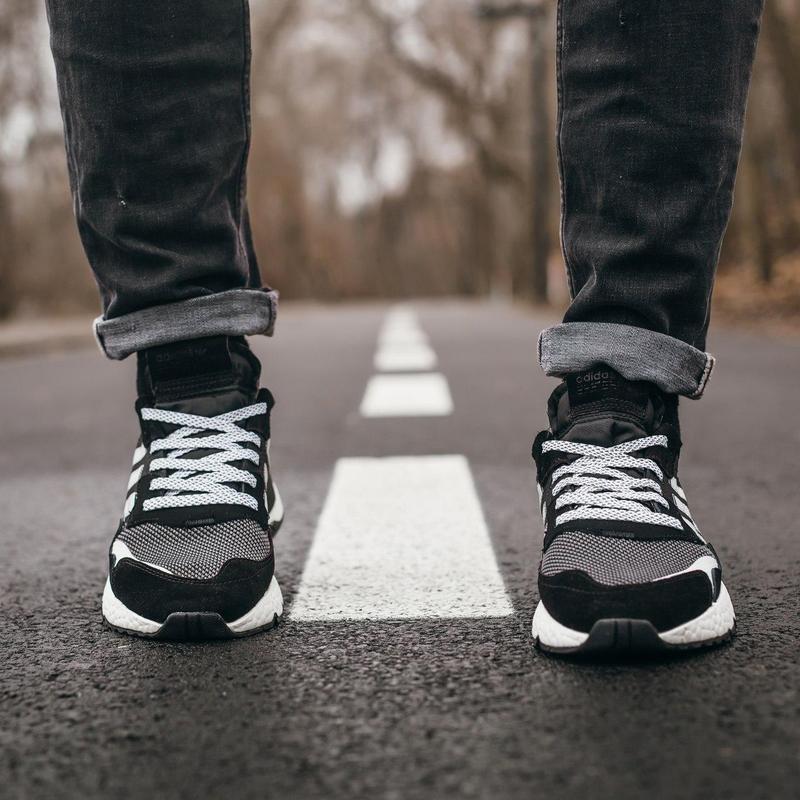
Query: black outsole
<point x="621" y="638"/>
<point x="193" y="626"/>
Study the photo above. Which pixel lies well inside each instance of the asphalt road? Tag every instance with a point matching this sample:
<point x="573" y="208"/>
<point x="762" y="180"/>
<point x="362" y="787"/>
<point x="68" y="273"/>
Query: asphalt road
<point x="416" y="708"/>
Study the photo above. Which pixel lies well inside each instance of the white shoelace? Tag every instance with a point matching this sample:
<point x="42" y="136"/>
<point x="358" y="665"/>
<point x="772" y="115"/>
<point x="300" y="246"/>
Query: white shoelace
<point x="596" y="485"/>
<point x="203" y="480"/>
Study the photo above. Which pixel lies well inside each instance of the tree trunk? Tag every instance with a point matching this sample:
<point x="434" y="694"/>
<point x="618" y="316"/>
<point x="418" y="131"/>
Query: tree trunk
<point x="758" y="208"/>
<point x="6" y="255"/>
<point x="480" y="272"/>
<point x="540" y="190"/>
<point x="778" y="33"/>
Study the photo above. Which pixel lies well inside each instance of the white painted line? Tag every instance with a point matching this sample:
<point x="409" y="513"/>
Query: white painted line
<point x="401" y="328"/>
<point x="404" y="357"/>
<point x="402" y="336"/>
<point x="401" y="538"/>
<point x="401" y="315"/>
<point x="426" y="395"/>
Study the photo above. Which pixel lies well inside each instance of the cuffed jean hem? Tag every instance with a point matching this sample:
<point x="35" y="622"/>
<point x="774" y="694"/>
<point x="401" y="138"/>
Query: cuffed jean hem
<point x="236" y="312"/>
<point x="637" y="354"/>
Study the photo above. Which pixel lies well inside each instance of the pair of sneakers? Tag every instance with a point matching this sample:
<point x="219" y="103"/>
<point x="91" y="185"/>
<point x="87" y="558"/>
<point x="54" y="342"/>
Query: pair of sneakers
<point x="624" y="567"/>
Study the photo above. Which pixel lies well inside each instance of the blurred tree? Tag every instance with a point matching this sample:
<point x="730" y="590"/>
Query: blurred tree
<point x="754" y="168"/>
<point x="532" y="281"/>
<point x="783" y="40"/>
<point x="398" y="148"/>
<point x="477" y="104"/>
<point x="19" y="99"/>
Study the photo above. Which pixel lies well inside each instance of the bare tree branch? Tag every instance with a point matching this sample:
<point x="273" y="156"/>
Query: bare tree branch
<point x="270" y="31"/>
<point x="464" y="104"/>
<point x="778" y="33"/>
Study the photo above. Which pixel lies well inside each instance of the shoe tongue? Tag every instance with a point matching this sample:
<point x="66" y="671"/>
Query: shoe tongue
<point x="207" y="376"/>
<point x="601" y="407"/>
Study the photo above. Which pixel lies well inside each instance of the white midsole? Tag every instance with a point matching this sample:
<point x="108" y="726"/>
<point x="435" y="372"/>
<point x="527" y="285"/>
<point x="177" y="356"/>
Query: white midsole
<point x="116" y="613"/>
<point x="715" y="621"/>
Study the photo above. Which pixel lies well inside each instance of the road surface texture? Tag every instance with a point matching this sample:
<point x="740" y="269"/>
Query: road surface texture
<point x="446" y="699"/>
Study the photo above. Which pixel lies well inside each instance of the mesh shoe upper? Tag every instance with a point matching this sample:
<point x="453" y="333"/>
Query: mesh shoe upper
<point x="199" y="499"/>
<point x="615" y="561"/>
<point x="198" y="552"/>
<point x="620" y="540"/>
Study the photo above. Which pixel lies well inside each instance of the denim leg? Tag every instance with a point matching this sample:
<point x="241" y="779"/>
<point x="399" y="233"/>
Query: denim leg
<point x="155" y="102"/>
<point x="638" y="354"/>
<point x="651" y="107"/>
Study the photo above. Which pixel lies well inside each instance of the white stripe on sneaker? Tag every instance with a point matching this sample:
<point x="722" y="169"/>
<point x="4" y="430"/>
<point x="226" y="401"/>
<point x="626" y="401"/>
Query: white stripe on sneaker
<point x="135" y="475"/>
<point x="138" y="454"/>
<point x="130" y="501"/>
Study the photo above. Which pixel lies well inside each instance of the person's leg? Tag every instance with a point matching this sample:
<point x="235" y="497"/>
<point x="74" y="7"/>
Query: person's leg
<point x="155" y="104"/>
<point x="651" y="105"/>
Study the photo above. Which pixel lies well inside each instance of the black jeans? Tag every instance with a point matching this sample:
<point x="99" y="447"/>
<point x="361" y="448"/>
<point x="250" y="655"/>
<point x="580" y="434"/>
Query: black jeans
<point x="652" y="97"/>
<point x="651" y="104"/>
<point x="155" y="101"/>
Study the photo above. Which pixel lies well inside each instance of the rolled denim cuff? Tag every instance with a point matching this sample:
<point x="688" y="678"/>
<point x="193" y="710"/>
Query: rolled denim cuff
<point x="637" y="354"/>
<point x="236" y="312"/>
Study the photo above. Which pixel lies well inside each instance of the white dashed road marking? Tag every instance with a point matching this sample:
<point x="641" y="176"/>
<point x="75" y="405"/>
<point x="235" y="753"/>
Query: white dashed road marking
<point x="404" y="357"/>
<point x="401" y="538"/>
<point x="402" y="335"/>
<point x="415" y="395"/>
<point x="401" y="328"/>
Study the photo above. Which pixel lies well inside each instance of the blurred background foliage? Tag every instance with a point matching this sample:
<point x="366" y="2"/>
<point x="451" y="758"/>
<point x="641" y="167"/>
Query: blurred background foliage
<point x="400" y="148"/>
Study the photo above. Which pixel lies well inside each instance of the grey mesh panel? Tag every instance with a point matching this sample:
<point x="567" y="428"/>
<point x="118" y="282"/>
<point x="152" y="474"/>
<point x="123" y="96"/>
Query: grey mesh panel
<point x="197" y="552"/>
<point x="615" y="561"/>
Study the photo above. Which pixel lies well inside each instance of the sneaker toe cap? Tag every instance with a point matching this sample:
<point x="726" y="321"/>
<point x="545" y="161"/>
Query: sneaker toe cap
<point x="577" y="601"/>
<point x="585" y="578"/>
<point x="155" y="594"/>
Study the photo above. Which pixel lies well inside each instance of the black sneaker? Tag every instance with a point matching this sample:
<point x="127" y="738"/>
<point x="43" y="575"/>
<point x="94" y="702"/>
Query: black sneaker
<point x="624" y="567"/>
<point x="193" y="557"/>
